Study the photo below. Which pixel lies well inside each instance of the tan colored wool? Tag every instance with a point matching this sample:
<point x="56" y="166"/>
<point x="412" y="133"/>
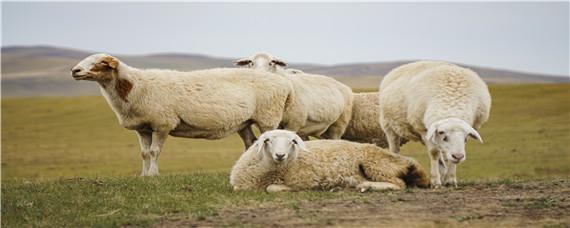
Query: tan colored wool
<point x="323" y="103"/>
<point x="364" y="126"/>
<point x="324" y="165"/>
<point x="208" y="104"/>
<point x="437" y="103"/>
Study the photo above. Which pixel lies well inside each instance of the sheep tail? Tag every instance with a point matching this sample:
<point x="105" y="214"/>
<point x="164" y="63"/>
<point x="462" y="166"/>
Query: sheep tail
<point x="416" y="176"/>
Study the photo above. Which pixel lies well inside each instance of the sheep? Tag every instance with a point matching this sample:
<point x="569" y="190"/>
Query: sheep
<point x="324" y="103"/>
<point x="281" y="161"/>
<point x="364" y="126"/>
<point x="207" y="104"/>
<point x="439" y="104"/>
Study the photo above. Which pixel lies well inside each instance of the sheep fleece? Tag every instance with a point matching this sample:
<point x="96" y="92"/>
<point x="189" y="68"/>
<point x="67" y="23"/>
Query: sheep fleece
<point x="210" y="103"/>
<point x="417" y="94"/>
<point x="329" y="164"/>
<point x="322" y="102"/>
<point x="364" y="126"/>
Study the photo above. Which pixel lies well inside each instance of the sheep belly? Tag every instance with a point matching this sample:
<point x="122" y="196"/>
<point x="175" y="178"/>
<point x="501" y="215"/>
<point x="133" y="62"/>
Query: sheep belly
<point x="187" y="131"/>
<point x="314" y="128"/>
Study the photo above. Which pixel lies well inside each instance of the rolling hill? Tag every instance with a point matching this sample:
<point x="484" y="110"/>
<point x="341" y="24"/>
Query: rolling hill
<point x="44" y="70"/>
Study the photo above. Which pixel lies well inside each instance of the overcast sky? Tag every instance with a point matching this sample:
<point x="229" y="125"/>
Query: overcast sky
<point x="531" y="37"/>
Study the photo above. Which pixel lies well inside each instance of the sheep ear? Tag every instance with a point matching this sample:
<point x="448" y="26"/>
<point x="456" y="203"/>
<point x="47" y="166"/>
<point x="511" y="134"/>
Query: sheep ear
<point x="279" y="62"/>
<point x="474" y="134"/>
<point x="110" y="62"/>
<point x="300" y="143"/>
<point x="242" y="62"/>
<point x="259" y="145"/>
<point x="431" y="133"/>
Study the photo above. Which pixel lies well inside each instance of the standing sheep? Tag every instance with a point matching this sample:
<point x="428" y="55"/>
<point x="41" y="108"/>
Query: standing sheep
<point x="324" y="104"/>
<point x="439" y="104"/>
<point x="281" y="161"/>
<point x="208" y="104"/>
<point x="364" y="126"/>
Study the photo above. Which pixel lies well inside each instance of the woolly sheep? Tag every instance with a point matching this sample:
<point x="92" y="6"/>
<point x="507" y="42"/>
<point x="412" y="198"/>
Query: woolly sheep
<point x="439" y="104"/>
<point x="281" y="161"/>
<point x="208" y="104"/>
<point x="324" y="103"/>
<point x="364" y="126"/>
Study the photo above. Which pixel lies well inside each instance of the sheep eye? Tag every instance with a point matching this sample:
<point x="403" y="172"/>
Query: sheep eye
<point x="266" y="141"/>
<point x="445" y="138"/>
<point x="294" y="141"/>
<point x="440" y="132"/>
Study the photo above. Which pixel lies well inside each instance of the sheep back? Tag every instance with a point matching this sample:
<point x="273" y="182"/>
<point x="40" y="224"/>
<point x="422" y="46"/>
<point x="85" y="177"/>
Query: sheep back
<point x="417" y="94"/>
<point x="338" y="163"/>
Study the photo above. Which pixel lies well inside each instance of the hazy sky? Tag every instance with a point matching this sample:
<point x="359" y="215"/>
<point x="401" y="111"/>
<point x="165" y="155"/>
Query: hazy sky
<point x="530" y="37"/>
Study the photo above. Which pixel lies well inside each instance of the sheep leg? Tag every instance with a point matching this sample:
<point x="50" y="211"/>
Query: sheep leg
<point x="247" y="136"/>
<point x="435" y="177"/>
<point x="145" y="139"/>
<point x="450" y="177"/>
<point x="158" y="138"/>
<point x="442" y="168"/>
<point x="278" y="188"/>
<point x="337" y="129"/>
<point x="393" y="140"/>
<point x="377" y="186"/>
<point x="333" y="132"/>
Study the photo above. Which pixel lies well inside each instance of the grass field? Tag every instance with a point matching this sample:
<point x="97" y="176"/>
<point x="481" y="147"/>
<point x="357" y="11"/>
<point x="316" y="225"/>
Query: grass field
<point x="69" y="158"/>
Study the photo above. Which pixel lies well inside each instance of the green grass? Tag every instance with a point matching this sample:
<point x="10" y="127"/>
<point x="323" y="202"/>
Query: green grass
<point x="527" y="136"/>
<point x="66" y="162"/>
<point x="110" y="201"/>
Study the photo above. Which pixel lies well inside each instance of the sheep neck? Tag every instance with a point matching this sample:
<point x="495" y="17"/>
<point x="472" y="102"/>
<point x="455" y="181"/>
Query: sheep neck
<point x="119" y="86"/>
<point x="116" y="91"/>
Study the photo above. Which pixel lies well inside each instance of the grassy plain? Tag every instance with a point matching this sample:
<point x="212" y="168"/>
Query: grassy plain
<point x="527" y="136"/>
<point x="66" y="161"/>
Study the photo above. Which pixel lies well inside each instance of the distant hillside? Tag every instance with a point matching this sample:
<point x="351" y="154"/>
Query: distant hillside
<point x="44" y="70"/>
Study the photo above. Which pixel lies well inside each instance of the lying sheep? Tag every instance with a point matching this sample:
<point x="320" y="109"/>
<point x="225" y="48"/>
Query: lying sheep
<point x="439" y="104"/>
<point x="208" y="104"/>
<point x="324" y="103"/>
<point x="364" y="126"/>
<point x="281" y="161"/>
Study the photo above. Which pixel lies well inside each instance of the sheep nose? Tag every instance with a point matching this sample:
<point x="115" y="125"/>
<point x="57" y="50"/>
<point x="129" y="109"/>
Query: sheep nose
<point x="280" y="156"/>
<point x="458" y="156"/>
<point x="75" y="71"/>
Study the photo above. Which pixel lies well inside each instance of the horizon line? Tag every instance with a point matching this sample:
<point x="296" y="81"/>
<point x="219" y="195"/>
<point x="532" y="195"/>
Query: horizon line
<point x="292" y="63"/>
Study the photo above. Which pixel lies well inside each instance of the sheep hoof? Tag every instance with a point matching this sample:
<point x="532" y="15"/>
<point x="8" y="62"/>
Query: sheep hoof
<point x="435" y="186"/>
<point x="451" y="182"/>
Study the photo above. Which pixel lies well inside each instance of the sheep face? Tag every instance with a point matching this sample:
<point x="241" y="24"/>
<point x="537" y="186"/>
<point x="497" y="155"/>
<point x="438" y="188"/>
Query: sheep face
<point x="261" y="61"/>
<point x="97" y="67"/>
<point x="279" y="146"/>
<point x="449" y="136"/>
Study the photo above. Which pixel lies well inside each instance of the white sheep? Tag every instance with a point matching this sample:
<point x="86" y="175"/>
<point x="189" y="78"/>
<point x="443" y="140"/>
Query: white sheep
<point x="364" y="126"/>
<point x="208" y="104"/>
<point x="324" y="103"/>
<point x="439" y="104"/>
<point x="281" y="161"/>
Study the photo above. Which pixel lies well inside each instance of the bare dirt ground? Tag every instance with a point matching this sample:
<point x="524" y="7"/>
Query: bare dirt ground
<point x="517" y="204"/>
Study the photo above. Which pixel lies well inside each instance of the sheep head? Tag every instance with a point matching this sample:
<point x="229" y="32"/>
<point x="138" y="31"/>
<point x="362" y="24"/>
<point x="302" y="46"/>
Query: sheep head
<point x="97" y="67"/>
<point x="279" y="146"/>
<point x="449" y="136"/>
<point x="261" y="61"/>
